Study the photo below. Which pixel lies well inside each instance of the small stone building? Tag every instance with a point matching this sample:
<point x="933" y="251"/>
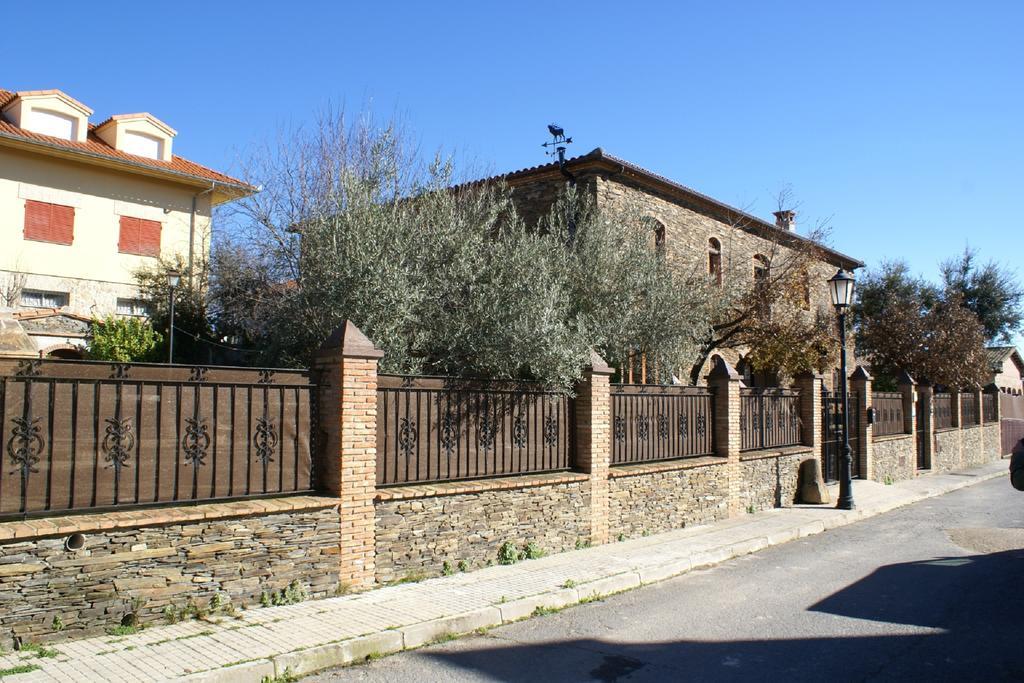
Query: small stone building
<point x="684" y="222"/>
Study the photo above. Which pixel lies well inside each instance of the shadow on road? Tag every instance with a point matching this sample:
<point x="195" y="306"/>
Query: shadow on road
<point x="977" y="601"/>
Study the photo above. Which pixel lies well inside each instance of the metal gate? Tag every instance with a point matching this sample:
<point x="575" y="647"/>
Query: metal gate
<point x="832" y="425"/>
<point x="922" y="455"/>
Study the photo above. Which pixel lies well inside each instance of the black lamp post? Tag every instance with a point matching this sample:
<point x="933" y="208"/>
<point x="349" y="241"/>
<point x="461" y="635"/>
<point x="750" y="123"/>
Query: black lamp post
<point x="173" y="278"/>
<point x="840" y="287"/>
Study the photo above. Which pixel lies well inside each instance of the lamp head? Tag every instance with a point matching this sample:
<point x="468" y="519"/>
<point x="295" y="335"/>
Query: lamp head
<point x="173" y="278"/>
<point x="840" y="288"/>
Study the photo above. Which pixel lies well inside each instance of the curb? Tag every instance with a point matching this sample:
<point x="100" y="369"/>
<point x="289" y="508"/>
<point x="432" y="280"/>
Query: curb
<point x="319" y="657"/>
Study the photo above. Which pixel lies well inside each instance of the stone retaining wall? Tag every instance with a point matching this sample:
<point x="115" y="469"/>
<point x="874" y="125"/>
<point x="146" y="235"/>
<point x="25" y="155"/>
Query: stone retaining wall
<point x="972" y="447"/>
<point x="993" y="441"/>
<point x="649" y="499"/>
<point x="895" y="457"/>
<point x="417" y="535"/>
<point x="48" y="592"/>
<point x="770" y="480"/>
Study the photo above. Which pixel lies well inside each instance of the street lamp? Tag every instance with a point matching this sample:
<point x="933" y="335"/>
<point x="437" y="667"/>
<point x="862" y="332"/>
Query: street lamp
<point x="840" y="287"/>
<point x="173" y="278"/>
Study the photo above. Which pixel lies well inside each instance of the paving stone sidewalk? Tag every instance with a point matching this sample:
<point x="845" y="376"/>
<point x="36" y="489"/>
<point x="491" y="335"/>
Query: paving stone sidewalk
<point x="318" y="634"/>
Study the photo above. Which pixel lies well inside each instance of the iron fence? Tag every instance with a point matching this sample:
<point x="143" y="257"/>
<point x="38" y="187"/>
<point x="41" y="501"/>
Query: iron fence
<point x="769" y="418"/>
<point x="989" y="412"/>
<point x="942" y="409"/>
<point x="889" y="418"/>
<point x="968" y="411"/>
<point x="83" y="435"/>
<point x="437" y="429"/>
<point x="661" y="422"/>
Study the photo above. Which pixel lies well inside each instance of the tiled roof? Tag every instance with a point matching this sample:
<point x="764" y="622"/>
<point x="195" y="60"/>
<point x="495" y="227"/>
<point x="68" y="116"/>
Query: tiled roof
<point x="997" y="355"/>
<point x="94" y="146"/>
<point x="599" y="157"/>
<point x="35" y="313"/>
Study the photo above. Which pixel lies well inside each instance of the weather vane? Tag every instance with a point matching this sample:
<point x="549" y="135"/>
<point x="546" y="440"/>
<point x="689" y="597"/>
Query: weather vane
<point x="558" y="142"/>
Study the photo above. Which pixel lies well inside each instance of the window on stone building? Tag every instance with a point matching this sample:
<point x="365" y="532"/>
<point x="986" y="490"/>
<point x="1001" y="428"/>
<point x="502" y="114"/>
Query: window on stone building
<point x="34" y="298"/>
<point x="805" y="290"/>
<point x="715" y="260"/>
<point x="659" y="236"/>
<point x="45" y="222"/>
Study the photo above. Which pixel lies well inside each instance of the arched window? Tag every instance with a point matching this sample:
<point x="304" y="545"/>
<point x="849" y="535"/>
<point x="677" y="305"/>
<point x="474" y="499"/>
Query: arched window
<point x="657" y="229"/>
<point x="760" y="270"/>
<point x="715" y="260"/>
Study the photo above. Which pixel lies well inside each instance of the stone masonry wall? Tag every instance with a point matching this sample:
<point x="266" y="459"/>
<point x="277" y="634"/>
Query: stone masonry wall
<point x="417" y="536"/>
<point x="973" y="447"/>
<point x="895" y="457"/>
<point x="992" y="438"/>
<point x="663" y="500"/>
<point x="49" y="593"/>
<point x="770" y="481"/>
<point x="946" y="453"/>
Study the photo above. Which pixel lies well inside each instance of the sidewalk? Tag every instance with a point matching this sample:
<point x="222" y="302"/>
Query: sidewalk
<point x="319" y="634"/>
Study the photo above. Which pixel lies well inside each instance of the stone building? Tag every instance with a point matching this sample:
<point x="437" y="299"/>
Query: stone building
<point x="1006" y="369"/>
<point x="686" y="223"/>
<point x="84" y="206"/>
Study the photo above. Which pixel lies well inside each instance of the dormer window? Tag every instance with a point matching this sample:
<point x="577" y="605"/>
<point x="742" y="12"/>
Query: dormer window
<point x="143" y="135"/>
<point x="143" y="145"/>
<point x="49" y="112"/>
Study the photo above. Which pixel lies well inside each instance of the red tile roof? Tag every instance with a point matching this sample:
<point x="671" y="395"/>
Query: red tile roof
<point x="95" y="147"/>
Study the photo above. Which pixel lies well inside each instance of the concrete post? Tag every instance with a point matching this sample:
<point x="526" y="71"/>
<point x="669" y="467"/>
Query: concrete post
<point x="907" y="387"/>
<point x="926" y="422"/>
<point x="594" y="441"/>
<point x="860" y="383"/>
<point x="347" y="368"/>
<point x="726" y="382"/>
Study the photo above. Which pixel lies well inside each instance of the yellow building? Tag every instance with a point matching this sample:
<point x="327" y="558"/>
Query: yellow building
<point x="84" y="206"/>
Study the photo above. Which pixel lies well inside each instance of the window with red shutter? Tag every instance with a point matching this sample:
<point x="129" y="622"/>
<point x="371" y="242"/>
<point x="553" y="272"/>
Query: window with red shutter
<point x="139" y="236"/>
<point x="49" y="222"/>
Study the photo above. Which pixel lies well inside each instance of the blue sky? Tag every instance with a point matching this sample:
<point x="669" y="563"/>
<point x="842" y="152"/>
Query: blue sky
<point x="900" y="120"/>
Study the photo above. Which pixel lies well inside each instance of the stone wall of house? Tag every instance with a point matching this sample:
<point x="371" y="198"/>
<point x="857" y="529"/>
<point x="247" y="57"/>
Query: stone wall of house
<point x="770" y="480"/>
<point x="688" y="228"/>
<point x="895" y="457"/>
<point x="48" y="592"/>
<point x="946" y="455"/>
<point x="417" y="535"/>
<point x="649" y="499"/>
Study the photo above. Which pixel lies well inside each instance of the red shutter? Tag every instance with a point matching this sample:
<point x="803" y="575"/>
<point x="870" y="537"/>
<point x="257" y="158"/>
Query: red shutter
<point x="139" y="236"/>
<point x="149" y="237"/>
<point x="49" y="222"/>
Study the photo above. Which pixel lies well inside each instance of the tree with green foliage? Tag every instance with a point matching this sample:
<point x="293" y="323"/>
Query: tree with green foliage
<point x="446" y="279"/>
<point x="903" y="322"/>
<point x="193" y="330"/>
<point x="124" y="340"/>
<point x="991" y="291"/>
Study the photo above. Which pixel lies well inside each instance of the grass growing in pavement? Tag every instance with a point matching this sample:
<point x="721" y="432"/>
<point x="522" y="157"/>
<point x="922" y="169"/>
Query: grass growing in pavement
<point x="38" y="650"/>
<point x="19" y="669"/>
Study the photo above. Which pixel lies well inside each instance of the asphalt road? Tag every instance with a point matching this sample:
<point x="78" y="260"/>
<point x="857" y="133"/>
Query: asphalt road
<point x="933" y="591"/>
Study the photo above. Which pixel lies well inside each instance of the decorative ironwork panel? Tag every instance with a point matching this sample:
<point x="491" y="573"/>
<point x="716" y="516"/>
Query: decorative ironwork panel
<point x="468" y="429"/>
<point x="78" y="435"/>
<point x="659" y="422"/>
<point x="889" y="418"/>
<point x="769" y="418"/>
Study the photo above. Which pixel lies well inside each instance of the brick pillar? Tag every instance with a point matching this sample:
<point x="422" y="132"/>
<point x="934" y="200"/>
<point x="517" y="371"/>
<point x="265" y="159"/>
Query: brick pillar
<point x="810" y="386"/>
<point x="860" y="382"/>
<point x="927" y="417"/>
<point x="347" y="466"/>
<point x="594" y="441"/>
<point x="726" y="383"/>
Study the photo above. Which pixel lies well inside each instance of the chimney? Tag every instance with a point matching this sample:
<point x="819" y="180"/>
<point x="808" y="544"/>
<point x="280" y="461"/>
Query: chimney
<point x="786" y="220"/>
